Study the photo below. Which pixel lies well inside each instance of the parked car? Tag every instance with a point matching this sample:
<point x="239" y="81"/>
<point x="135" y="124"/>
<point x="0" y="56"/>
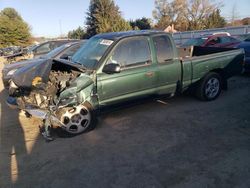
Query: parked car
<point x="10" y="50"/>
<point x="222" y="33"/>
<point x="46" y="47"/>
<point x="35" y="51"/>
<point x="217" y="40"/>
<point x="11" y="53"/>
<point x="65" y="51"/>
<point x="116" y="67"/>
<point x="246" y="46"/>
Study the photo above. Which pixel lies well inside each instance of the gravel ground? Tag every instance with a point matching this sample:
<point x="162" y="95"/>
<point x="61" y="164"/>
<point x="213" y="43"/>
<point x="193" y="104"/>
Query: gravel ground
<point x="178" y="142"/>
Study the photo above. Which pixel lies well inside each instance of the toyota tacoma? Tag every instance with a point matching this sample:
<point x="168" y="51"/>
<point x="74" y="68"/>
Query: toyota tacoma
<point x="111" y="68"/>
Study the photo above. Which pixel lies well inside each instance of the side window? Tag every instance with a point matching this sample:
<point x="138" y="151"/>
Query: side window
<point x="225" y="40"/>
<point x="214" y="41"/>
<point x="233" y="39"/>
<point x="131" y="52"/>
<point x="70" y="51"/>
<point x="164" y="49"/>
<point x="53" y="45"/>
<point x="45" y="48"/>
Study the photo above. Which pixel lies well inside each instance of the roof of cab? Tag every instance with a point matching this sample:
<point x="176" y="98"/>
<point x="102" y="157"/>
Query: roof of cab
<point x="119" y="35"/>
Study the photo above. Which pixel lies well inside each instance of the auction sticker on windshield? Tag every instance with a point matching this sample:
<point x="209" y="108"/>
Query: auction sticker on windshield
<point x="106" y="42"/>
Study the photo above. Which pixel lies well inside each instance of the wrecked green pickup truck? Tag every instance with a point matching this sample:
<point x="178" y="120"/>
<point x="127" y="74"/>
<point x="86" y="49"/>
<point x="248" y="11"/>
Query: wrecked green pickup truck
<point x="115" y="67"/>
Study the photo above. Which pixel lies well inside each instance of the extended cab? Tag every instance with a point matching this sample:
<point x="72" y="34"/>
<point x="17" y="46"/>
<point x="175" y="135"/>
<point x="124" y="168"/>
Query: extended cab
<point x="116" y="67"/>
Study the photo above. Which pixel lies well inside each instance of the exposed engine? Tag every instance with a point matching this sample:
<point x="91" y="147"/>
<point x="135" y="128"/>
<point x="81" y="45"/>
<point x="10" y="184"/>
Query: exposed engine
<point x="39" y="91"/>
<point x="46" y="94"/>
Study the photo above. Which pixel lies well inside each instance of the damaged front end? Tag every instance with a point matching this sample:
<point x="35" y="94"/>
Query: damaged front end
<point x="57" y="92"/>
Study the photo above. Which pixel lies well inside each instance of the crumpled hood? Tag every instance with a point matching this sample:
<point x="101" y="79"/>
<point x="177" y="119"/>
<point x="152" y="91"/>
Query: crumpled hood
<point x="39" y="71"/>
<point x="24" y="76"/>
<point x="20" y="64"/>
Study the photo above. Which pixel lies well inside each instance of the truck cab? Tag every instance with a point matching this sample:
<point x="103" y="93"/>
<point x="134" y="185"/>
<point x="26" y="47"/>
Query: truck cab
<point x="147" y="65"/>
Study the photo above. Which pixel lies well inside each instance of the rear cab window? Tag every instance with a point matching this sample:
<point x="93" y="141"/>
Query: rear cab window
<point x="164" y="48"/>
<point x="214" y="41"/>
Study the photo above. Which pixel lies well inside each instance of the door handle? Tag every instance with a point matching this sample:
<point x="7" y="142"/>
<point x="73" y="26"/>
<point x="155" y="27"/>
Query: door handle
<point x="150" y="74"/>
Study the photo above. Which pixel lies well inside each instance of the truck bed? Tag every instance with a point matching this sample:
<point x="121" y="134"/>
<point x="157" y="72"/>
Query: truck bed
<point x="197" y="61"/>
<point x="192" y="51"/>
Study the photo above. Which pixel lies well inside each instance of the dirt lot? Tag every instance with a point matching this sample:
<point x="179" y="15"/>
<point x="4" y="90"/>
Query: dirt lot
<point x="179" y="143"/>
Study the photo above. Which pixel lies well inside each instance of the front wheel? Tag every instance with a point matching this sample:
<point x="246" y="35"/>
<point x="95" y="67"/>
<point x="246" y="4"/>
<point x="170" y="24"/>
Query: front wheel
<point x="79" y="119"/>
<point x="209" y="87"/>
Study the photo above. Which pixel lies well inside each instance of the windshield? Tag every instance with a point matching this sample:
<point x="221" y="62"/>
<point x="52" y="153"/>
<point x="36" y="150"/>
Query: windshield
<point x="54" y="52"/>
<point x="195" y="42"/>
<point x="91" y="52"/>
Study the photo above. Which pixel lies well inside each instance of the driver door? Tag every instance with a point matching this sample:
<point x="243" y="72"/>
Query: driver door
<point x="136" y="78"/>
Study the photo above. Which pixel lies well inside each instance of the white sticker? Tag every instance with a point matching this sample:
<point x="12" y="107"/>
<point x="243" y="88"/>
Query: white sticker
<point x="106" y="42"/>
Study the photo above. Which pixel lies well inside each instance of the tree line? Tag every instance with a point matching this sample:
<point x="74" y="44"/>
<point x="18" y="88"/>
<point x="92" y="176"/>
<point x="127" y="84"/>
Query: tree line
<point x="188" y="14"/>
<point x="105" y="16"/>
<point x="184" y="15"/>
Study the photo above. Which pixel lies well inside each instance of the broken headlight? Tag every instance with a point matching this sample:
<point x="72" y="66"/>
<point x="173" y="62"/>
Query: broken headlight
<point x="13" y="85"/>
<point x="12" y="88"/>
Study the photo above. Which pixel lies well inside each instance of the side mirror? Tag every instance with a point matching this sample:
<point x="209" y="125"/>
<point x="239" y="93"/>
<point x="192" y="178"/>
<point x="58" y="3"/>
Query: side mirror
<point x="111" y="68"/>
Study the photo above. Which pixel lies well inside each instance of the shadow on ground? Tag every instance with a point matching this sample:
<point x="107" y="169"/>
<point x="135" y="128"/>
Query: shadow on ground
<point x="12" y="143"/>
<point x="179" y="142"/>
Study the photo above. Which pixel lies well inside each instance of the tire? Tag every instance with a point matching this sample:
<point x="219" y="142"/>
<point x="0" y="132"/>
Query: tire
<point x="209" y="87"/>
<point x="80" y="119"/>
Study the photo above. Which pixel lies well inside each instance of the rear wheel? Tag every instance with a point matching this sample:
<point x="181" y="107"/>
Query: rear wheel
<point x="79" y="119"/>
<point x="209" y="87"/>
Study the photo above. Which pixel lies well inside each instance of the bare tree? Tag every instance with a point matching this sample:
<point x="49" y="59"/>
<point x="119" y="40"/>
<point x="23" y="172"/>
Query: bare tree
<point x="184" y="14"/>
<point x="234" y="15"/>
<point x="179" y="8"/>
<point x="198" y="11"/>
<point x="167" y="13"/>
<point x="162" y="13"/>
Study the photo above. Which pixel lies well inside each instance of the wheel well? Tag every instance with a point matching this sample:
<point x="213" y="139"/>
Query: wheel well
<point x="223" y="77"/>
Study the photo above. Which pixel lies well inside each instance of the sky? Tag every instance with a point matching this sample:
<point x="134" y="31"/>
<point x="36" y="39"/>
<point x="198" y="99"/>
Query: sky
<point x="51" y="18"/>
